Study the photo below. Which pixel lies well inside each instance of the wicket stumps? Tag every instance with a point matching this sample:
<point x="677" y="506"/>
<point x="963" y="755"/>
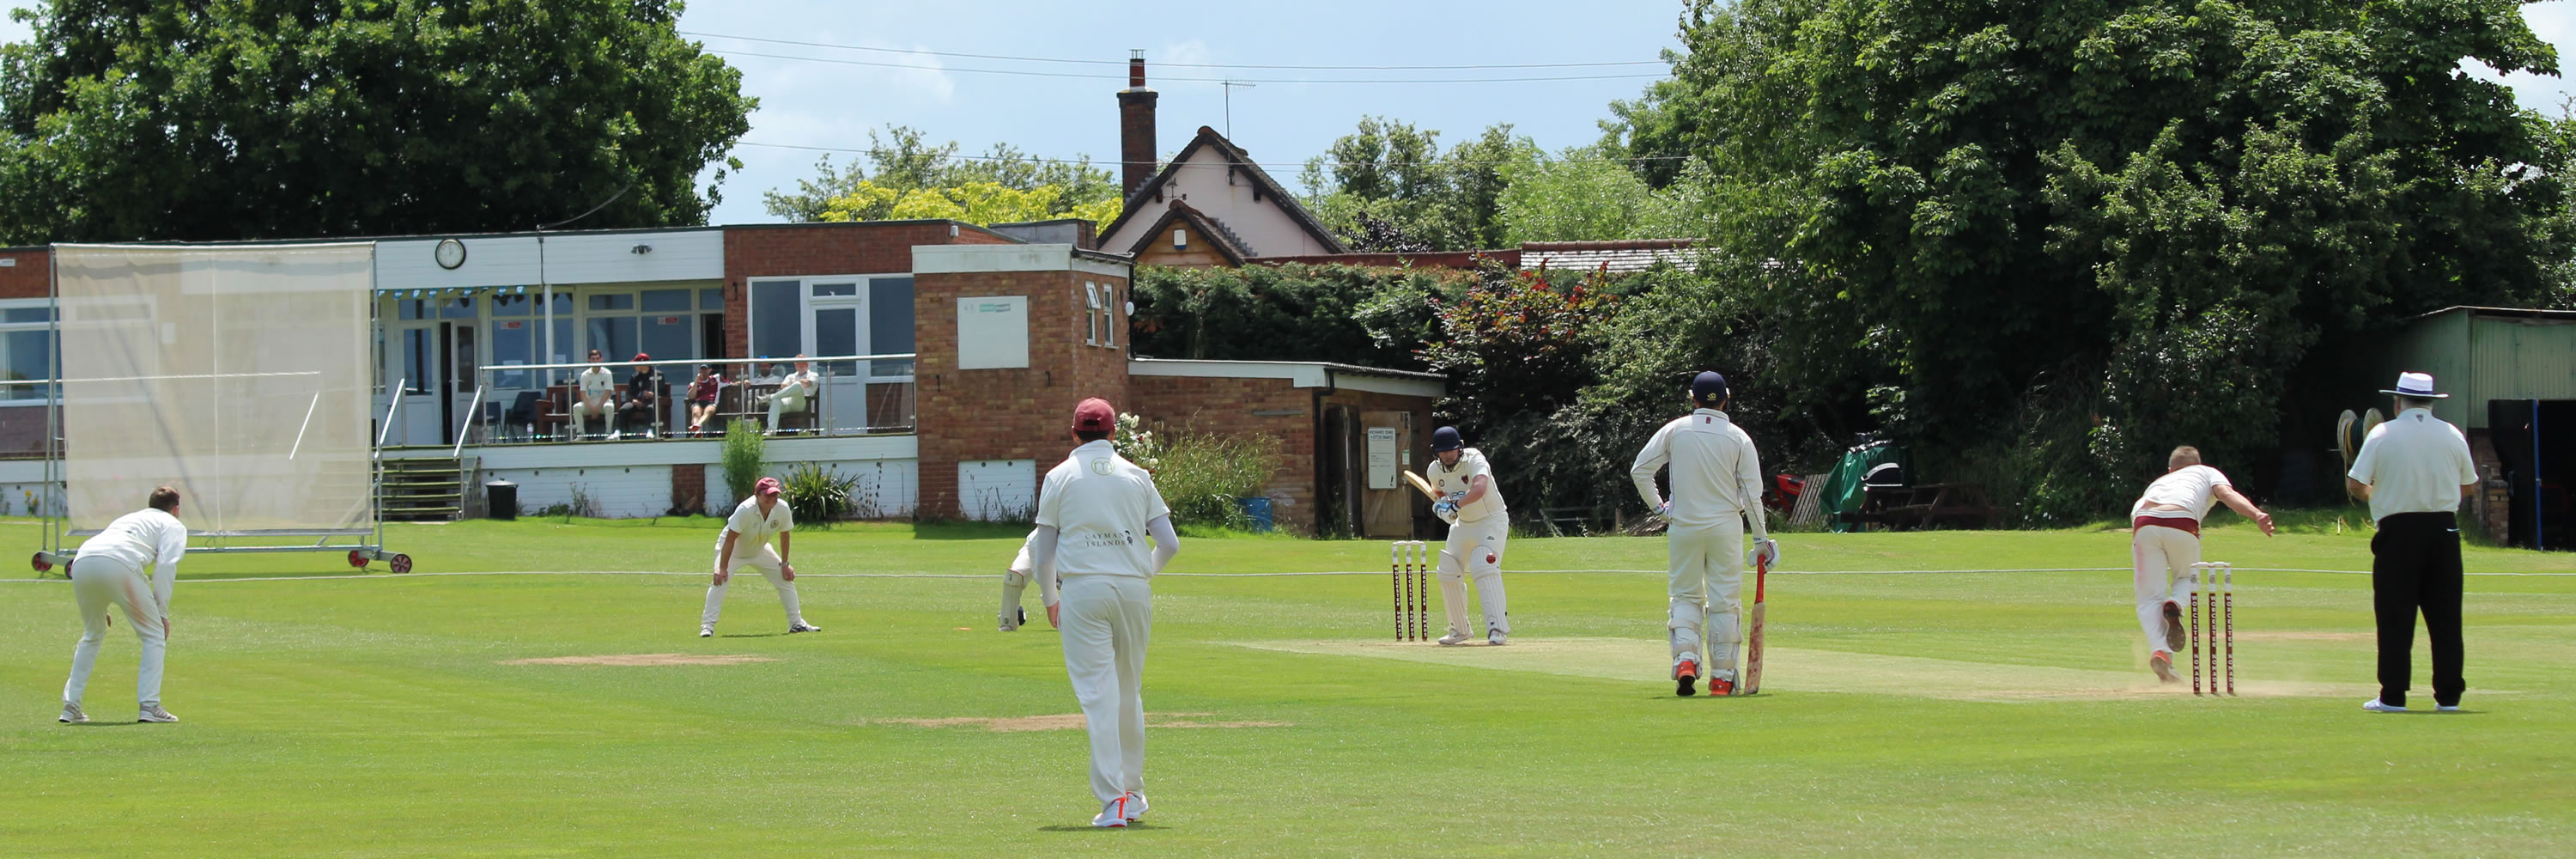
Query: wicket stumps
<point x="2214" y="585"/>
<point x="1410" y="572"/>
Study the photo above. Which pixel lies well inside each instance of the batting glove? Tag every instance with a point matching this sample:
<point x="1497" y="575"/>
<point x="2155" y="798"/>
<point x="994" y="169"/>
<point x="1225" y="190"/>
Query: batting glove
<point x="1665" y="511"/>
<point x="1765" y="551"/>
<point x="1447" y="510"/>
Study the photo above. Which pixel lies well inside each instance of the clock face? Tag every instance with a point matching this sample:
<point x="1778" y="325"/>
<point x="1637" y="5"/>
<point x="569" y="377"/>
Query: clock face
<point x="451" y="253"/>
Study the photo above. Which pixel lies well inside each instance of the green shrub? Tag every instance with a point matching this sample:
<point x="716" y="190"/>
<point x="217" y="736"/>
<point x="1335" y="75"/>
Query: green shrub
<point x="745" y="448"/>
<point x="1201" y="474"/>
<point x="818" y="496"/>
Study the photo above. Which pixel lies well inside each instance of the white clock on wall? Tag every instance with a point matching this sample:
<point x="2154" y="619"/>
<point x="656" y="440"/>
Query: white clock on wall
<point x="451" y="253"/>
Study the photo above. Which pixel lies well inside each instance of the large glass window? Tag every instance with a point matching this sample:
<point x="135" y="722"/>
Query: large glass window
<point x="667" y="301"/>
<point x="670" y="336"/>
<point x="777" y="319"/>
<point x="514" y="342"/>
<point x="836" y="332"/>
<point x="30" y="357"/>
<point x="890" y="327"/>
<point x="420" y="359"/>
<point x="613" y="336"/>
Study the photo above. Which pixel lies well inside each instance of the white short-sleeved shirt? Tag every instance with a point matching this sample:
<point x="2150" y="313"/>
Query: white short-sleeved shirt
<point x="597" y="382"/>
<point x="2192" y="487"/>
<point x="1098" y="503"/>
<point x="799" y="384"/>
<point x="2414" y="463"/>
<point x="1716" y="471"/>
<point x="1451" y="480"/>
<point x="756" y="530"/>
<point x="142" y="539"/>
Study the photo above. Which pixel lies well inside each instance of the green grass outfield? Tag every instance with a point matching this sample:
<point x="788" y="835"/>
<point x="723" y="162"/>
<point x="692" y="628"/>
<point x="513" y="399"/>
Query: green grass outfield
<point x="1929" y="711"/>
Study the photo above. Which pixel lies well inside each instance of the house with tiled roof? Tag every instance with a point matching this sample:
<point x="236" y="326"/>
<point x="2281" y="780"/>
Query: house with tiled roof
<point x="1211" y="205"/>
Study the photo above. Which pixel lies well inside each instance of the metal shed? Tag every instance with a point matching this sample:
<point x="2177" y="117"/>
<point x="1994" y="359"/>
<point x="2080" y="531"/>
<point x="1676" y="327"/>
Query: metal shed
<point x="2511" y="374"/>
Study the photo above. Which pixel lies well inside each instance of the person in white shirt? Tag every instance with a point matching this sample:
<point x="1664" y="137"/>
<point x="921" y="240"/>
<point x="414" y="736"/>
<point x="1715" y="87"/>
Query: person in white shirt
<point x="1717" y="489"/>
<point x="108" y="570"/>
<point x="1095" y="512"/>
<point x="2164" y="541"/>
<point x="1479" y="526"/>
<point x="596" y="385"/>
<point x="1015" y="581"/>
<point x="2415" y="470"/>
<point x="746" y="541"/>
<point x="795" y="392"/>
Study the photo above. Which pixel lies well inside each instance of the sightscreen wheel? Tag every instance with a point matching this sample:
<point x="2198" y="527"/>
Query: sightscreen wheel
<point x="402" y="564"/>
<point x="358" y="558"/>
<point x="39" y="562"/>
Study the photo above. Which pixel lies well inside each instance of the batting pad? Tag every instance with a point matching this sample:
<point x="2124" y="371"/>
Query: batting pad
<point x="239" y="375"/>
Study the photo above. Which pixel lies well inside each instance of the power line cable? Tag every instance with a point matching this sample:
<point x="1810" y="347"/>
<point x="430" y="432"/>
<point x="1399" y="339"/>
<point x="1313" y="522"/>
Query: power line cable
<point x="1266" y="164"/>
<point x="1088" y="76"/>
<point x="1167" y="65"/>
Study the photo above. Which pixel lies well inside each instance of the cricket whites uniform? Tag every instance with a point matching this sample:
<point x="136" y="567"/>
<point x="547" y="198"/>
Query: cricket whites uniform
<point x="1101" y="507"/>
<point x="596" y="382"/>
<point x="2415" y="465"/>
<point x="1717" y="485"/>
<point x="1015" y="580"/>
<point x="752" y="548"/>
<point x="2163" y="544"/>
<point x="108" y="570"/>
<point x="1476" y="541"/>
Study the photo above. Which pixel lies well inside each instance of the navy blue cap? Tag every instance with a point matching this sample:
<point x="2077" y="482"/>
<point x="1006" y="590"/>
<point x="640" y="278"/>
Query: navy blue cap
<point x="1445" y="439"/>
<point x="1709" y="387"/>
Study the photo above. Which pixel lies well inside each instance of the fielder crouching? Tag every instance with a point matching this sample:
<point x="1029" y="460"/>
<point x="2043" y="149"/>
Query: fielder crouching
<point x="1717" y="488"/>
<point x="1479" y="526"/>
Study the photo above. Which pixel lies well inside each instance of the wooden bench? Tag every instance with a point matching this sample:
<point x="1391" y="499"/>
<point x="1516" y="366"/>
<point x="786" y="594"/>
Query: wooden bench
<point x="1926" y="506"/>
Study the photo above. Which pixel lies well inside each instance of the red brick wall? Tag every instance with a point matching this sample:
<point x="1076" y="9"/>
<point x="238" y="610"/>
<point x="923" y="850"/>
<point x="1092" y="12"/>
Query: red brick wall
<point x="1245" y="406"/>
<point x="689" y="487"/>
<point x="29" y="278"/>
<point x="1019" y="413"/>
<point x="802" y="250"/>
<point x="22" y="428"/>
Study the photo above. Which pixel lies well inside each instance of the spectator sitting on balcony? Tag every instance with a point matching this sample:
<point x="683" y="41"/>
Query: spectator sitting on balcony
<point x="702" y="397"/>
<point x="597" y="384"/>
<point x="795" y="393"/>
<point x="640" y="397"/>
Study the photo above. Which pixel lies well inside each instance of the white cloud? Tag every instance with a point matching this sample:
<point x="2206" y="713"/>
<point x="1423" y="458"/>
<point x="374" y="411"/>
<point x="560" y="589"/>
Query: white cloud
<point x="1179" y="53"/>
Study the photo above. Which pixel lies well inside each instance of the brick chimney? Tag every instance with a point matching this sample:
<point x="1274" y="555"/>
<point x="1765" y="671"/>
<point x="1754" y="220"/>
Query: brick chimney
<point x="1135" y="127"/>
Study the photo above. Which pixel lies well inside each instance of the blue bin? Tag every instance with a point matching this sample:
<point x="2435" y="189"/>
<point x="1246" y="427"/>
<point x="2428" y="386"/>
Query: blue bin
<point x="1258" y="509"/>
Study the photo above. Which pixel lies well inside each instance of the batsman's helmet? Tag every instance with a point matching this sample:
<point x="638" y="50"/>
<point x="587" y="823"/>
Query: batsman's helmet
<point x="1445" y="439"/>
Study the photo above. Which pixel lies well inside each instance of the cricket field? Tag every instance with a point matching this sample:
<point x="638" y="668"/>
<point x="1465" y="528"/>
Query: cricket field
<point x="538" y="688"/>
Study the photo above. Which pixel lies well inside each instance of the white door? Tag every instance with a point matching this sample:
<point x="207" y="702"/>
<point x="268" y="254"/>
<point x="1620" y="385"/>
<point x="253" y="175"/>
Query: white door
<point x="839" y="329"/>
<point x="461" y="380"/>
<point x="411" y="370"/>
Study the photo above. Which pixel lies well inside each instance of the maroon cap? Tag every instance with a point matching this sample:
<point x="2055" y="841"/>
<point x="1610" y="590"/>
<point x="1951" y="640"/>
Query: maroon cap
<point x="643" y="357"/>
<point x="1094" y="415"/>
<point x="766" y="486"/>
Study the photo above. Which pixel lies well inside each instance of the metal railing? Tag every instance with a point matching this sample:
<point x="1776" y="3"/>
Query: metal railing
<point x="501" y="414"/>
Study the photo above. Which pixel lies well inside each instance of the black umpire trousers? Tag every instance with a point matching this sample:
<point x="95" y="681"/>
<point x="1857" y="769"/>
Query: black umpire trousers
<point x="2415" y="566"/>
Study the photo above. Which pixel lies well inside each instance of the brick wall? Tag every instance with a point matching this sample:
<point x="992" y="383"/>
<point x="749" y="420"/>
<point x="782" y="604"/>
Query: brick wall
<point x="28" y="278"/>
<point x="22" y="427"/>
<point x="689" y="487"/>
<point x="1268" y="407"/>
<point x="803" y="250"/>
<point x="1017" y="413"/>
<point x="2492" y="504"/>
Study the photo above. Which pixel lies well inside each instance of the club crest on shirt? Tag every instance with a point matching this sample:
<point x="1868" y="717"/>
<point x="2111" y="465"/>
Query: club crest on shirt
<point x="1100" y="466"/>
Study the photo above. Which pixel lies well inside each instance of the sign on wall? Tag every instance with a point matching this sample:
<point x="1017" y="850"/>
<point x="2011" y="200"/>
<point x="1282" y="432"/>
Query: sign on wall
<point x="993" y="332"/>
<point x="1382" y="462"/>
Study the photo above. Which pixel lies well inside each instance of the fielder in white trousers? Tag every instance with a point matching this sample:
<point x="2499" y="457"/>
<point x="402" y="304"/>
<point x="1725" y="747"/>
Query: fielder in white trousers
<point x="1475" y="551"/>
<point x="1094" y="568"/>
<point x="766" y="561"/>
<point x="99" y="582"/>
<point x="1106" y="623"/>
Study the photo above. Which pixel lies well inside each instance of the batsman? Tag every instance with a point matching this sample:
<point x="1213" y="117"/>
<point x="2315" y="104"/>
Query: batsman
<point x="1717" y="489"/>
<point x="1478" y="527"/>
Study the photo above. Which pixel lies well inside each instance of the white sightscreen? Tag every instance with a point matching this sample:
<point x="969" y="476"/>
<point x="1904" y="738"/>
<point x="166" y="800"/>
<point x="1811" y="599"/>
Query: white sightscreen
<point x="239" y="375"/>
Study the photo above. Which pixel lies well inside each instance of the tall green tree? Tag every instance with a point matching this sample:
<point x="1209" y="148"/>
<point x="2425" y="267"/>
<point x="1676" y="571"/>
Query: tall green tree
<point x="237" y="119"/>
<point x="903" y="162"/>
<point x="2082" y="232"/>
<point x="1388" y="183"/>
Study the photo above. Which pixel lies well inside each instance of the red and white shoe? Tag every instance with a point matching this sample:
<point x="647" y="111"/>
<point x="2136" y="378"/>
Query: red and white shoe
<point x="1113" y="814"/>
<point x="1720" y="686"/>
<point x="2162" y="663"/>
<point x="1685" y="678"/>
<point x="1135" y="806"/>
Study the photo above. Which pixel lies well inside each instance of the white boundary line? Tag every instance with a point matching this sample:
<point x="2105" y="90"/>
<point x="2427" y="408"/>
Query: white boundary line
<point x="392" y="577"/>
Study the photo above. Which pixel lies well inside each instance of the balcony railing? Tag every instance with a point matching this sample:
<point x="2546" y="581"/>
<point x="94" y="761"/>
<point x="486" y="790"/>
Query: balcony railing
<point x="851" y="395"/>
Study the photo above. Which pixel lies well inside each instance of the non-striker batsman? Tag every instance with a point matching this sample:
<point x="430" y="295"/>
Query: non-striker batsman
<point x="1717" y="489"/>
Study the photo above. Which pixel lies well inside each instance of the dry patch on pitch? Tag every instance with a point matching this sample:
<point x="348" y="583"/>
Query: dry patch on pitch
<point x="1793" y="670"/>
<point x="645" y="659"/>
<point x="1073" y="722"/>
<point x="2304" y="635"/>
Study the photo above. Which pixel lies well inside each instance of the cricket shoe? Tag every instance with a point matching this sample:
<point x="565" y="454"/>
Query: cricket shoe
<point x="2374" y="706"/>
<point x="1686" y="678"/>
<point x="2446" y="708"/>
<point x="154" y="713"/>
<point x="801" y="626"/>
<point x="1113" y="814"/>
<point x="1453" y="639"/>
<point x="1135" y="805"/>
<point x="71" y="714"/>
<point x="2176" y="638"/>
<point x="2162" y="664"/>
<point x="706" y="630"/>
<point x="1496" y="638"/>
<point x="1720" y="686"/>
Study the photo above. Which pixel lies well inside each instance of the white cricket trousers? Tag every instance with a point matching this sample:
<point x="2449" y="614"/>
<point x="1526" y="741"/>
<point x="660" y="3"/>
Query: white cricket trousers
<point x="766" y="560"/>
<point x="1707" y="564"/>
<point x="1106" y="622"/>
<point x="2162" y="557"/>
<point x="582" y="414"/>
<point x="781" y="405"/>
<point x="97" y="582"/>
<point x="1475" y="550"/>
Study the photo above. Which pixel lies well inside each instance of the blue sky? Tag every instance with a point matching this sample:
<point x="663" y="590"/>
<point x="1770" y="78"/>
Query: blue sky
<point x="806" y="103"/>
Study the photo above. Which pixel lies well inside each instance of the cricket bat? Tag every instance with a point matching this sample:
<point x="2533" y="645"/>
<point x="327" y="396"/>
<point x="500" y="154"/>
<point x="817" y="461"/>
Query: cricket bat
<point x="1753" y="636"/>
<point x="1419" y="483"/>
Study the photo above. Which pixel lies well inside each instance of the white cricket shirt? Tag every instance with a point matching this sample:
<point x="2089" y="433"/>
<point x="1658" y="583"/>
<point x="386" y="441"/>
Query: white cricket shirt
<point x="756" y="529"/>
<point x="1450" y="480"/>
<point x="1715" y="471"/>
<point x="2414" y="463"/>
<point x="597" y="382"/>
<point x="142" y="539"/>
<point x="2192" y="487"/>
<point x="1098" y="503"/>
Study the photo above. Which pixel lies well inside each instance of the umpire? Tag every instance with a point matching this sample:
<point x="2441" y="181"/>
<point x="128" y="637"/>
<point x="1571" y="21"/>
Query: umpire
<point x="2415" y="470"/>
